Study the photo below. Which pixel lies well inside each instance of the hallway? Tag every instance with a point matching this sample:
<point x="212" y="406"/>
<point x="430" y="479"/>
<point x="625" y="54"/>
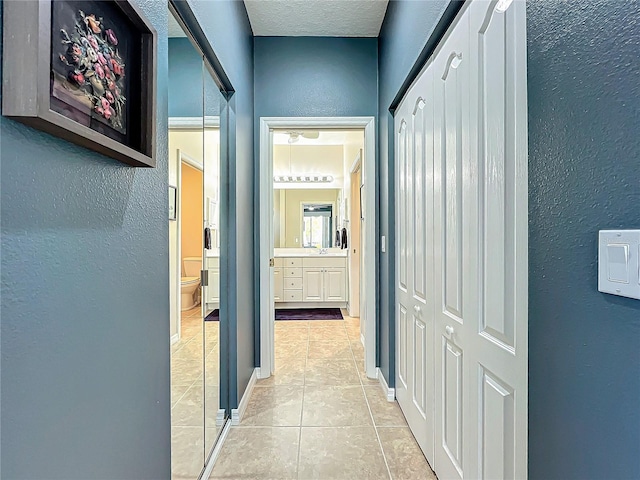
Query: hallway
<point x="319" y="416"/>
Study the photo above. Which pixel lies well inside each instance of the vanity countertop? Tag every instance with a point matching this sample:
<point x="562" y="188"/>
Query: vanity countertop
<point x="308" y="252"/>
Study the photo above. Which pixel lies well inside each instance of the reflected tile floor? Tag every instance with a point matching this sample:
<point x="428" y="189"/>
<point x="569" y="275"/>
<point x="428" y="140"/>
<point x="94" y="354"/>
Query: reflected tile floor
<point x="319" y="416"/>
<point x="189" y="439"/>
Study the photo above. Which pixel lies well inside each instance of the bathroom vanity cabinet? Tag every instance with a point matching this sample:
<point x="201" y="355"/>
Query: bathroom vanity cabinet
<point x="212" y="292"/>
<point x="318" y="279"/>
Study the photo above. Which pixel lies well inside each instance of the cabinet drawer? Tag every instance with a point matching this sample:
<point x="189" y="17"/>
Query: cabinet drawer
<point x="292" y="262"/>
<point x="293" y="295"/>
<point x="278" y="262"/>
<point x="292" y="272"/>
<point x="213" y="262"/>
<point x="293" y="283"/>
<point x="325" y="262"/>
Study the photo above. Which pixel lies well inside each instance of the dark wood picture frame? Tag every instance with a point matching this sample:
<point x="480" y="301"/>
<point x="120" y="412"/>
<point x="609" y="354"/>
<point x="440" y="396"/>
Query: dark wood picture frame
<point x="26" y="80"/>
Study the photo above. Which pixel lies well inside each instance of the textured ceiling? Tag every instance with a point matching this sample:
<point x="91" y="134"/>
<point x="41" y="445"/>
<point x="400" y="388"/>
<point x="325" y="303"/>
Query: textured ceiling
<point x="316" y="18"/>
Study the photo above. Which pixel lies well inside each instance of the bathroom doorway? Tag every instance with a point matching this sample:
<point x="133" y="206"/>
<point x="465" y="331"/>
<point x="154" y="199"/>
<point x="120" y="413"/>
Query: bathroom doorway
<point x="307" y="274"/>
<point x="198" y="134"/>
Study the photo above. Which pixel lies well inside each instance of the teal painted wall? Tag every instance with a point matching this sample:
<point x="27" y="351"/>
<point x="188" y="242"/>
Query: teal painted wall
<point x="311" y="77"/>
<point x="85" y="305"/>
<point x="584" y="175"/>
<point x="85" y="289"/>
<point x="406" y="28"/>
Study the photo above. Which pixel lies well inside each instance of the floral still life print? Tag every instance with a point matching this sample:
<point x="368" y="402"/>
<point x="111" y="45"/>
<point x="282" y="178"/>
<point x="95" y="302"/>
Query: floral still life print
<point x="89" y="82"/>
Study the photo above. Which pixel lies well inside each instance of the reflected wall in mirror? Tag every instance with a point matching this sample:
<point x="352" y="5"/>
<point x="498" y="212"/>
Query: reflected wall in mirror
<point x="306" y="217"/>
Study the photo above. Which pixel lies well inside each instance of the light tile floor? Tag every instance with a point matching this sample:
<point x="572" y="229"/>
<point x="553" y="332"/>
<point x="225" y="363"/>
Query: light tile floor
<point x="194" y="386"/>
<point x="319" y="416"/>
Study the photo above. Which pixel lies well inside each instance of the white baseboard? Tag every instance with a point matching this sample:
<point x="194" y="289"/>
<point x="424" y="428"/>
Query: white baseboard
<point x="362" y="339"/>
<point x="175" y="338"/>
<point x="220" y="417"/>
<point x="262" y="374"/>
<point x="390" y="393"/>
<point x="238" y="413"/>
<point x="216" y="452"/>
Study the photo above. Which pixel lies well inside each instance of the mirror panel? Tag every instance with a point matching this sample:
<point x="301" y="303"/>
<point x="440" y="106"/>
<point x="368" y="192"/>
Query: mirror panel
<point x="306" y="217"/>
<point x="213" y="105"/>
<point x="186" y="153"/>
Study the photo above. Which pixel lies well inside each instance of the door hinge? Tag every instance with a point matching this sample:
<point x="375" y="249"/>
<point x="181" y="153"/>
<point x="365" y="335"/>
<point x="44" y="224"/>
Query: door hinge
<point x="272" y="262"/>
<point x="204" y="278"/>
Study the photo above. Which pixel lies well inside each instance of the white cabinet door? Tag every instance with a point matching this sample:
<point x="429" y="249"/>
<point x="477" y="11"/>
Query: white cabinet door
<point x="312" y="290"/>
<point x="278" y="285"/>
<point x="213" y="290"/>
<point x="334" y="285"/>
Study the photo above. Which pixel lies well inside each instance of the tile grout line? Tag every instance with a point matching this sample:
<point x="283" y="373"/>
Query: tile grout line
<point x="304" y="386"/>
<point x="373" y="421"/>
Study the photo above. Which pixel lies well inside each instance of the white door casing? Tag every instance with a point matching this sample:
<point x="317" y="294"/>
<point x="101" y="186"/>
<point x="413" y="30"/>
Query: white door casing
<point x="475" y="87"/>
<point x="369" y="242"/>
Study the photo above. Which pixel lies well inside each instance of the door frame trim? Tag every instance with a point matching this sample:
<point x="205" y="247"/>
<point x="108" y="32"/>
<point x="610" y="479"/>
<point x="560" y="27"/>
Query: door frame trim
<point x="267" y="124"/>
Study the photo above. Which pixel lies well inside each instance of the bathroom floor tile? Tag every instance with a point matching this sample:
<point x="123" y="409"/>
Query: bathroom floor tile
<point x="326" y="323"/>
<point x="289" y="371"/>
<point x="327" y="349"/>
<point x="288" y="324"/>
<point x="274" y="406"/>
<point x="339" y="371"/>
<point x="327" y="406"/>
<point x="187" y="452"/>
<point x="287" y="350"/>
<point x="385" y="413"/>
<point x="259" y="453"/>
<point x="189" y="410"/>
<point x="341" y="453"/>
<point x="177" y="391"/>
<point x="404" y="457"/>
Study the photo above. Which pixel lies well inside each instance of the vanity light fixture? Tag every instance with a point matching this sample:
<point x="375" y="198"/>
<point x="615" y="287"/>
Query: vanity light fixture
<point x="303" y="179"/>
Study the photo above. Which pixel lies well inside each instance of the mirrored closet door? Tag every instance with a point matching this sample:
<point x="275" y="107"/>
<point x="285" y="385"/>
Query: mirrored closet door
<point x="196" y="138"/>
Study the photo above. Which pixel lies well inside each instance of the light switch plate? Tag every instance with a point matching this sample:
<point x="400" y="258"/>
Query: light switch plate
<point x="619" y="262"/>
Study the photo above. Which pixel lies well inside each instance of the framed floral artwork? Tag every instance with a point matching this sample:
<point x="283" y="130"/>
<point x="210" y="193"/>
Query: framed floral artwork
<point x="84" y="70"/>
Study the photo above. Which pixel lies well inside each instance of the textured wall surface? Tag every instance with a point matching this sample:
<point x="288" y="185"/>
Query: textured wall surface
<point x="315" y="76"/>
<point x="584" y="175"/>
<point x="405" y="31"/>
<point x="185" y="79"/>
<point x="85" y="305"/>
<point x="227" y="27"/>
<point x="311" y="77"/>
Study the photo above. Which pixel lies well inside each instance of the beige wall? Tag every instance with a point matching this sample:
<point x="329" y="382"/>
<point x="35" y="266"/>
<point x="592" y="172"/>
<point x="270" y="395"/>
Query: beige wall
<point x="290" y="210"/>
<point x="310" y="160"/>
<point x="191" y="211"/>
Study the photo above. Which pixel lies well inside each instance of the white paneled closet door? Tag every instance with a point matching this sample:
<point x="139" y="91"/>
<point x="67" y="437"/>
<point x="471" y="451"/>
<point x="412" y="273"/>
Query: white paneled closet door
<point x="455" y="226"/>
<point x="498" y="346"/>
<point x="461" y="266"/>
<point x="414" y="326"/>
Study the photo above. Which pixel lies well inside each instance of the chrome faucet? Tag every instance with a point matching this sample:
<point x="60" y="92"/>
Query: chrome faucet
<point x="323" y="251"/>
